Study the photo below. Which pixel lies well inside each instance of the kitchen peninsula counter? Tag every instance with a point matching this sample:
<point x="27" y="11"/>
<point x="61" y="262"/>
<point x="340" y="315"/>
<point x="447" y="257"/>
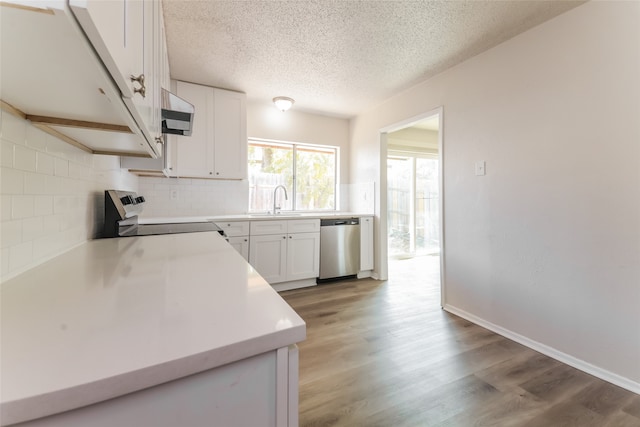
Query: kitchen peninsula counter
<point x="114" y="316"/>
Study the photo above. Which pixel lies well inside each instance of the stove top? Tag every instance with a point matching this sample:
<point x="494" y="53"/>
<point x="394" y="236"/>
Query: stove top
<point x="121" y="210"/>
<point x="169" y="228"/>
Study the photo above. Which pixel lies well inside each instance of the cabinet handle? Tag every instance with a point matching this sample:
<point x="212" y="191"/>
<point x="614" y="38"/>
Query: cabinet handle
<point x="210" y="173"/>
<point x="142" y="90"/>
<point x="291" y="237"/>
<point x="284" y="237"/>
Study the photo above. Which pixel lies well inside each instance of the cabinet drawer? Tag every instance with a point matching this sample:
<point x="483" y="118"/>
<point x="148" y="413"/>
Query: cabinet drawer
<point x="303" y="226"/>
<point x="259" y="228"/>
<point x="234" y="228"/>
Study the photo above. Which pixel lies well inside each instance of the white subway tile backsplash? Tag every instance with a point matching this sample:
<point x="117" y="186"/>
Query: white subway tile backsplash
<point x="51" y="223"/>
<point x="4" y="259"/>
<point x="61" y="149"/>
<point x="51" y="194"/>
<point x="79" y="171"/>
<point x="32" y="228"/>
<point x="14" y="128"/>
<point x="47" y="246"/>
<point x="53" y="185"/>
<point x="5" y="208"/>
<point x="61" y="167"/>
<point x="6" y="153"/>
<point x="34" y="183"/>
<point x="194" y="197"/>
<point x="36" y="138"/>
<point x="24" y="158"/>
<point x="20" y="255"/>
<point x="11" y="232"/>
<point x="43" y="205"/>
<point x="45" y="164"/>
<point x="61" y="204"/>
<point x="22" y="207"/>
<point x="11" y="181"/>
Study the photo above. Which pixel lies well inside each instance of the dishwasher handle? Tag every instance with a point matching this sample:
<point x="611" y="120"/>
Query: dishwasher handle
<point x="341" y="221"/>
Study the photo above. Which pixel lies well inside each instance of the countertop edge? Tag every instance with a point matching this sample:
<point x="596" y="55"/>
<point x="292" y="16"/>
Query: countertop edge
<point x="47" y="404"/>
<point x="252" y="217"/>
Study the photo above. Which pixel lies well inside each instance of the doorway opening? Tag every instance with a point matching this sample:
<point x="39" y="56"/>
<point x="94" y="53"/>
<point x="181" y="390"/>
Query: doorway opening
<point x="413" y="155"/>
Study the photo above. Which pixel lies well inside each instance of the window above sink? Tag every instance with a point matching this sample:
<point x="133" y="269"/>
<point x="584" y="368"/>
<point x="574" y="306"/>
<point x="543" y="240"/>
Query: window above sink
<point x="308" y="172"/>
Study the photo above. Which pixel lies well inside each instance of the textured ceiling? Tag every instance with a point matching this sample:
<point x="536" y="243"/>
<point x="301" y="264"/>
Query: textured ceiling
<point x="336" y="57"/>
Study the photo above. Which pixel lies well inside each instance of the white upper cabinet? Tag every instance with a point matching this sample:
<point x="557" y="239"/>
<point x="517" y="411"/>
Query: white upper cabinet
<point x="116" y="30"/>
<point x="126" y="34"/>
<point x="194" y="154"/>
<point x="67" y="68"/>
<point x="217" y="147"/>
<point x="230" y="134"/>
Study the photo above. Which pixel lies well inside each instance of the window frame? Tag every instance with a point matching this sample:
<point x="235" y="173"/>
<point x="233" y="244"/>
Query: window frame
<point x="293" y="191"/>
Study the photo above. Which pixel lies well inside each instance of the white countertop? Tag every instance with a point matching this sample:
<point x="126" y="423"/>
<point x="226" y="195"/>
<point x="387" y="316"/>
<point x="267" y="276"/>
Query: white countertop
<point x="118" y="315"/>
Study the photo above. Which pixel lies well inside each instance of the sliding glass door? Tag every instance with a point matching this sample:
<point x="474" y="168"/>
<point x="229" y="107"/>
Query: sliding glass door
<point x="413" y="204"/>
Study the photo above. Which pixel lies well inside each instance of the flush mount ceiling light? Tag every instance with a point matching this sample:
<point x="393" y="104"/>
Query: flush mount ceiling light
<point x="283" y="103"/>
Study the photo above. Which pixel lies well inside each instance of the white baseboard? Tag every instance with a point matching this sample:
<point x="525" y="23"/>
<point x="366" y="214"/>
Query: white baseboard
<point x="364" y="274"/>
<point x="596" y="371"/>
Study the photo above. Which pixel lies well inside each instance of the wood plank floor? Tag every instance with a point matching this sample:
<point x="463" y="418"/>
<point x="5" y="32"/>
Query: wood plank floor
<point x="385" y="354"/>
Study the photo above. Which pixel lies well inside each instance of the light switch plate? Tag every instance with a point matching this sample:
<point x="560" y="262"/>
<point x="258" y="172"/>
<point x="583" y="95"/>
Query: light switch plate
<point x="481" y="168"/>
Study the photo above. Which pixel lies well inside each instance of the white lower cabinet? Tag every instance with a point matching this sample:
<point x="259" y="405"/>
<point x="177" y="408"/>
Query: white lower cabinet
<point x="240" y="244"/>
<point x="286" y="257"/>
<point x="258" y="391"/>
<point x="237" y="233"/>
<point x="303" y="256"/>
<point x="366" y="243"/>
<point x="268" y="255"/>
<point x="285" y="251"/>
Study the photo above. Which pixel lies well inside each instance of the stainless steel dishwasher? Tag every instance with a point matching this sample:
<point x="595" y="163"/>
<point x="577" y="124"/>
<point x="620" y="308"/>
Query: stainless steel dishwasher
<point x="339" y="248"/>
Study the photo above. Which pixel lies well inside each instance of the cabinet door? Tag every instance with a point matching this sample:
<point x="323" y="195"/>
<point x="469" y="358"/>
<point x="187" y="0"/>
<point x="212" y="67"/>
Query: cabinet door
<point x="125" y="35"/>
<point x="230" y="135"/>
<point x="115" y="29"/>
<point x="268" y="255"/>
<point x="366" y="243"/>
<point x="240" y="244"/>
<point x="303" y="256"/>
<point x="194" y="154"/>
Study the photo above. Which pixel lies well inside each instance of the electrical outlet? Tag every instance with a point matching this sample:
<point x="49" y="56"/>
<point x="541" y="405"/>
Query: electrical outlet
<point x="174" y="194"/>
<point x="481" y="168"/>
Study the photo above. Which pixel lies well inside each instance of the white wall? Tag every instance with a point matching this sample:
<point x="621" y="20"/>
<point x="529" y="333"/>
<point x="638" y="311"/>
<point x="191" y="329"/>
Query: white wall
<point x="546" y="246"/>
<point x="51" y="195"/>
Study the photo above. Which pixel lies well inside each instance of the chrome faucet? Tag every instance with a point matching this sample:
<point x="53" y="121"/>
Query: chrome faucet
<point x="277" y="208"/>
